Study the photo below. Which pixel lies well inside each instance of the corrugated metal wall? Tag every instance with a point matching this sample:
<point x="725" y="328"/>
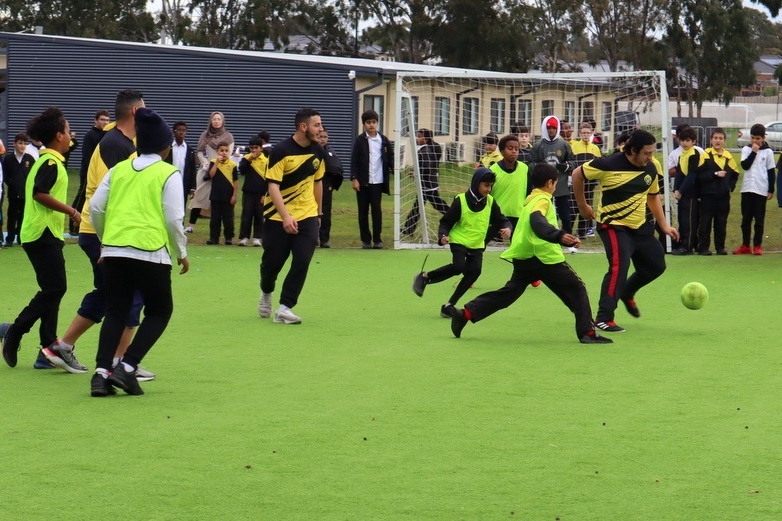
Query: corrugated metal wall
<point x="253" y="93"/>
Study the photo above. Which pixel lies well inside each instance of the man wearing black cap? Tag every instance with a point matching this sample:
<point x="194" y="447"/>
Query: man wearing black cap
<point x="137" y="211"/>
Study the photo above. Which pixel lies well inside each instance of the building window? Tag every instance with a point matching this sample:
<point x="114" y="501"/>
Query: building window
<point x="588" y="111"/>
<point x="606" y="117"/>
<point x="442" y="116"/>
<point x="570" y="113"/>
<point x="547" y="109"/>
<point x="470" y="116"/>
<point x="406" y="117"/>
<point x="498" y="115"/>
<point x="524" y="111"/>
<point x="376" y="103"/>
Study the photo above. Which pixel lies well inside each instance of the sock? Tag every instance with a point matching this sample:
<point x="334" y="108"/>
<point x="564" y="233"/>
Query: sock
<point x="67" y="346"/>
<point x="104" y="373"/>
<point x="283" y="307"/>
<point x="467" y="314"/>
<point x="128" y="368"/>
<point x="114" y="362"/>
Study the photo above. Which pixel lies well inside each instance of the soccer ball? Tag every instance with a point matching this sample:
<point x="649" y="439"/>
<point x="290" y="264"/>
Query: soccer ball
<point x="694" y="295"/>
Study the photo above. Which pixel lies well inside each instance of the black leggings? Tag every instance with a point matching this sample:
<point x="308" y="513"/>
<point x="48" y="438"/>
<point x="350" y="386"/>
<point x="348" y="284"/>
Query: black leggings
<point x="465" y="261"/>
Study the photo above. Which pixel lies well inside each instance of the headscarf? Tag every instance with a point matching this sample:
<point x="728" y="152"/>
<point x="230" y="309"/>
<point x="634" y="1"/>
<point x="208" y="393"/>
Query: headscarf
<point x="213" y="136"/>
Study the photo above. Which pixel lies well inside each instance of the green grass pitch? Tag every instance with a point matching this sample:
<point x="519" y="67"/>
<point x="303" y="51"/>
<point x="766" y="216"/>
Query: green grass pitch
<point x="371" y="410"/>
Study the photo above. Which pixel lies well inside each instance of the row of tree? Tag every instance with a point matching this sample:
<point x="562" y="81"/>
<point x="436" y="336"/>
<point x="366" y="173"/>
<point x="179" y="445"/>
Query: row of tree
<point x="708" y="47"/>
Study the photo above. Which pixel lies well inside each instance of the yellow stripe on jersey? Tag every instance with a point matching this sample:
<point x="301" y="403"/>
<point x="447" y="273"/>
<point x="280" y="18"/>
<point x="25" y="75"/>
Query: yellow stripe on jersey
<point x="624" y="188"/>
<point x="295" y="169"/>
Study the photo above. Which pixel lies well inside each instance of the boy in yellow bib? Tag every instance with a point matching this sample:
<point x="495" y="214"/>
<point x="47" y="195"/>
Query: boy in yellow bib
<point x="536" y="254"/>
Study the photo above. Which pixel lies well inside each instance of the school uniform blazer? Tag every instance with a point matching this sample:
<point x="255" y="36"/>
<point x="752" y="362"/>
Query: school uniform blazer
<point x="359" y="161"/>
<point x="189" y="175"/>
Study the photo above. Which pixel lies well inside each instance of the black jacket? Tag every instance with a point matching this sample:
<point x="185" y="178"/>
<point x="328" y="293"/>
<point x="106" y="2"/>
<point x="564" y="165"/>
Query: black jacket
<point x="359" y="161"/>
<point x="189" y="175"/>
<point x="334" y="168"/>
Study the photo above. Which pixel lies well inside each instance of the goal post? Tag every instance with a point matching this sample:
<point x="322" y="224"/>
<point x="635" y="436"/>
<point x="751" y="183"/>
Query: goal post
<point x="460" y="109"/>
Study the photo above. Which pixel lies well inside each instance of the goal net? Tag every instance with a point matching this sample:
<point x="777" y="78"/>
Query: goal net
<point x="459" y="111"/>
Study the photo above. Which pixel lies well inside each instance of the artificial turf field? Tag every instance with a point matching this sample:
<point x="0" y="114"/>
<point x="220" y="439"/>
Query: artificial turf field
<point x="372" y="410"/>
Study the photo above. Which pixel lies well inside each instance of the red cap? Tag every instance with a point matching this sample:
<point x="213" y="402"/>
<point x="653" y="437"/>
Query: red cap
<point x="551" y="123"/>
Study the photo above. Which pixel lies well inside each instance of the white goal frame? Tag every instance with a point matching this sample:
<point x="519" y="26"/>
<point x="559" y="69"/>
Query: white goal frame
<point x="406" y="168"/>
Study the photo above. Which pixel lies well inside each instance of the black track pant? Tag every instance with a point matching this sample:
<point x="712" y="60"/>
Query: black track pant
<point x="277" y="247"/>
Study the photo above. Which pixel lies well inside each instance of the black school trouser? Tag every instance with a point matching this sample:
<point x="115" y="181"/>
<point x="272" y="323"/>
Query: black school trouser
<point x="14" y="219"/>
<point x="589" y="194"/>
<point x="46" y="256"/>
<point x="559" y="278"/>
<point x="689" y="219"/>
<point x="122" y="278"/>
<point x="325" y="208"/>
<point x="623" y="245"/>
<point x="368" y="198"/>
<point x="714" y="209"/>
<point x="463" y="261"/>
<point x="753" y="206"/>
<point x="562" y="206"/>
<point x="278" y="245"/>
<point x="432" y="196"/>
<point x="222" y="213"/>
<point x="252" y="216"/>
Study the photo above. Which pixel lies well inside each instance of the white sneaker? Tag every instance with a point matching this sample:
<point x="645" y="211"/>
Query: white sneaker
<point x="285" y="316"/>
<point x="265" y="305"/>
<point x="189" y="229"/>
<point x="572" y="249"/>
<point x="144" y="375"/>
<point x="256" y="242"/>
<point x="243" y="242"/>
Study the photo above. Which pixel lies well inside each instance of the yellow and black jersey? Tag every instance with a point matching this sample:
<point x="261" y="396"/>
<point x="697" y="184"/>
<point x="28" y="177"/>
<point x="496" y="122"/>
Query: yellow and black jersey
<point x="254" y="172"/>
<point x="624" y="188"/>
<point x="583" y="151"/>
<point x="223" y="181"/>
<point x="113" y="148"/>
<point x="295" y="169"/>
<point x="723" y="160"/>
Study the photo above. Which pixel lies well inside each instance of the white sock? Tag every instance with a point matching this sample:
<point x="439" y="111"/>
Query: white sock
<point x="128" y="368"/>
<point x="68" y="347"/>
<point x="283" y="308"/>
<point x="104" y="373"/>
<point x="114" y="362"/>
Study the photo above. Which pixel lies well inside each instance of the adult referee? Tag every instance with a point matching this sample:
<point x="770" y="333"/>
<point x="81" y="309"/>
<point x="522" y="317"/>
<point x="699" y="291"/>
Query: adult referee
<point x="628" y="184"/>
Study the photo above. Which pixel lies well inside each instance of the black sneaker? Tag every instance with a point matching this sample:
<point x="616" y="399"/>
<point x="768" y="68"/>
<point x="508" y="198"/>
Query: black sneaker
<point x="365" y="246"/>
<point x="419" y="284"/>
<point x="593" y="338"/>
<point x="378" y="245"/>
<point x="125" y="380"/>
<point x="11" y="346"/>
<point x="722" y="252"/>
<point x="100" y="386"/>
<point x="458" y="322"/>
<point x="704" y="252"/>
<point x="631" y="307"/>
<point x="447" y="311"/>
<point x="610" y="326"/>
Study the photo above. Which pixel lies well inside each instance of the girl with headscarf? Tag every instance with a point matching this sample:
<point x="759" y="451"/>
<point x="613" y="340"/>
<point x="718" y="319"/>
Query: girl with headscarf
<point x="214" y="135"/>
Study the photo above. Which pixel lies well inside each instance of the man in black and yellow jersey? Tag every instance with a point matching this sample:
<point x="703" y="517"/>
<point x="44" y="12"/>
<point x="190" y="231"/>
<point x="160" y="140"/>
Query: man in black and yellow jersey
<point x="292" y="214"/>
<point x="117" y="145"/>
<point x="628" y="184"/>
<point x="137" y="211"/>
<point x="41" y="234"/>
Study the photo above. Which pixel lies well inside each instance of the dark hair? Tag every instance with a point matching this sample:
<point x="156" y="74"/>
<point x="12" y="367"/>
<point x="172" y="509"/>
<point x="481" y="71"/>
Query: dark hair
<point x="621" y="138"/>
<point x="265" y="136"/>
<point x="488" y="176"/>
<point x="20" y="136"/>
<point x="255" y="142"/>
<point x="426" y="134"/>
<point x="45" y="126"/>
<point x="223" y="144"/>
<point x="179" y="124"/>
<point x="125" y="101"/>
<point x="680" y="127"/>
<point x="687" y="133"/>
<point x="304" y="115"/>
<point x="490" y="139"/>
<point x="507" y="139"/>
<point x="718" y="130"/>
<point x="757" y="130"/>
<point x="369" y="115"/>
<point x="541" y="173"/>
<point x="102" y="112"/>
<point x="516" y="128"/>
<point x="639" y="139"/>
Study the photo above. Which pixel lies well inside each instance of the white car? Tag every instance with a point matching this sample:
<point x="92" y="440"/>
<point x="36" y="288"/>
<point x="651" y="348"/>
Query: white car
<point x="773" y="135"/>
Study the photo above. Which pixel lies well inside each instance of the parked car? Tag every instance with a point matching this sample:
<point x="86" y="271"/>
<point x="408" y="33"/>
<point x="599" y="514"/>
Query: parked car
<point x="773" y="135"/>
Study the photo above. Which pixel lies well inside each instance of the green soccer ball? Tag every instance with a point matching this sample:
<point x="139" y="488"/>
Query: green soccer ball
<point x="694" y="295"/>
